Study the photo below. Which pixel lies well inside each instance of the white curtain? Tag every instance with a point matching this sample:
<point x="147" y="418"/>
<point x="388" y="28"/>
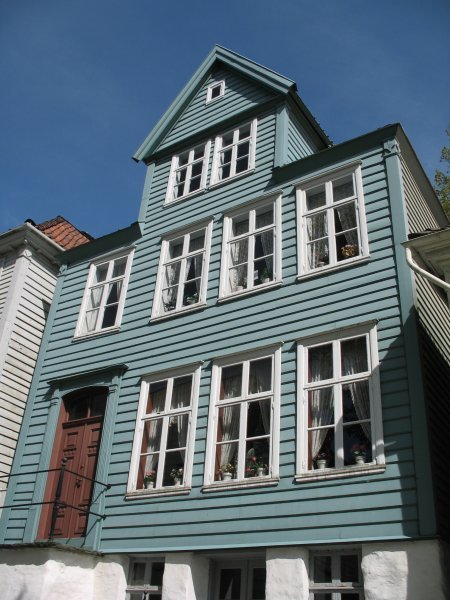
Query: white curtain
<point x="355" y="361"/>
<point x="316" y="227"/>
<point x="321" y="404"/>
<point x="261" y="381"/>
<point x="230" y="417"/>
<point x="347" y="218"/>
<point x="182" y="399"/>
<point x="267" y="246"/>
<point x="238" y="256"/>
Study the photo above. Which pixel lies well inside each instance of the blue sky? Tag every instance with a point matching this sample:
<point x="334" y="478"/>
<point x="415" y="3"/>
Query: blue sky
<point x="83" y="82"/>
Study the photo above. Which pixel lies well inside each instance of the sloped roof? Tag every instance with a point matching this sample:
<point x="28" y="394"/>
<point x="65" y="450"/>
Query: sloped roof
<point x="260" y="74"/>
<point x="63" y="233"/>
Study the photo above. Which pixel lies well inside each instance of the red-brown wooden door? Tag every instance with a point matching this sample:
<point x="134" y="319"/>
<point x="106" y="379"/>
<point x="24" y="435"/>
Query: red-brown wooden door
<point x="78" y="441"/>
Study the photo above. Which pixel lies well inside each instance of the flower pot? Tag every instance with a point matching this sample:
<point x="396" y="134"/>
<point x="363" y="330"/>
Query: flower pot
<point x="321" y="463"/>
<point x="360" y="459"/>
<point x="149" y="485"/>
<point x="226" y="476"/>
<point x="266" y="280"/>
<point x="260" y="471"/>
<point x="239" y="288"/>
<point x="177" y="481"/>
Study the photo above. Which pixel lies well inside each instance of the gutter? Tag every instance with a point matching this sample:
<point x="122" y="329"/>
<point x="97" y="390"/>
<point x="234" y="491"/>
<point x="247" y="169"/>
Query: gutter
<point x="415" y="267"/>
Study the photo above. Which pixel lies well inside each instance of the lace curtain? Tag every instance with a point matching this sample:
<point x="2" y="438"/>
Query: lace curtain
<point x="321" y="402"/>
<point x="355" y="361"/>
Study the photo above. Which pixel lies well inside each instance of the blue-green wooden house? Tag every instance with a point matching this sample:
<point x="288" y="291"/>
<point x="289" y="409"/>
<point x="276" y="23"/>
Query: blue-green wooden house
<point x="240" y="371"/>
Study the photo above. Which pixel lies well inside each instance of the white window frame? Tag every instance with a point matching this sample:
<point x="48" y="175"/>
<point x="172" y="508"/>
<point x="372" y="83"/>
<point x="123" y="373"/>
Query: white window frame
<point x="211" y="87"/>
<point x="215" y="403"/>
<point x="106" y="259"/>
<point x="251" y="209"/>
<point x="157" y="309"/>
<point x="358" y="198"/>
<point x="218" y="149"/>
<point x="141" y="419"/>
<point x="371" y="375"/>
<point x="174" y="167"/>
<point x="336" y="587"/>
<point x="146" y="589"/>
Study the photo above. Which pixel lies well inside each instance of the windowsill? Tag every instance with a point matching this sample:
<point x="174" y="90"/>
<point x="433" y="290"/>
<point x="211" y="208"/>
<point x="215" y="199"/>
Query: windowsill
<point x="251" y="482"/>
<point x="186" y="197"/>
<point x="180" y="311"/>
<point x="85" y="336"/>
<point x="329" y="269"/>
<point x="353" y="471"/>
<point x="154" y="493"/>
<point x="254" y="290"/>
<point x="223" y="181"/>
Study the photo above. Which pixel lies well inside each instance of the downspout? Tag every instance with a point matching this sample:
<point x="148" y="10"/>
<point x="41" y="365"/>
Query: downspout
<point x="415" y="267"/>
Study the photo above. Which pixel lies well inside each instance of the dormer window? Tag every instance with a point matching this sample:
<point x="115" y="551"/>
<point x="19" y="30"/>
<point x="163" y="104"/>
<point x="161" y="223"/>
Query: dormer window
<point x="215" y="91"/>
<point x="188" y="172"/>
<point x="234" y="152"/>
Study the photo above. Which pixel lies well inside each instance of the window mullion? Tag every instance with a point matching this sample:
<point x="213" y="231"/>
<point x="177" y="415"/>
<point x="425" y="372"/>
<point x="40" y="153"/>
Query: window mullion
<point x="330" y="222"/>
<point x="242" y="441"/>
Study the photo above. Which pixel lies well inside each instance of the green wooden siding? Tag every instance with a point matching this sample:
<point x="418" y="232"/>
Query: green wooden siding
<point x="357" y="508"/>
<point x="299" y="143"/>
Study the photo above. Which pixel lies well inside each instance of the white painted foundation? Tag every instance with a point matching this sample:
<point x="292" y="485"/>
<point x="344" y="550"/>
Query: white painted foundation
<point x="186" y="577"/>
<point x="405" y="571"/>
<point x="287" y="574"/>
<point x="52" y="574"/>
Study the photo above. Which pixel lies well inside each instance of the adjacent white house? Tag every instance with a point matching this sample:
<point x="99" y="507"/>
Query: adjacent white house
<point x="28" y="274"/>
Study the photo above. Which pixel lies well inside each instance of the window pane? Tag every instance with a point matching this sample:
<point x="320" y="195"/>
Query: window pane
<point x="157" y="573"/>
<point x="172" y="274"/>
<point x="199" y="152"/>
<point x="238" y="278"/>
<point x="350" y="568"/>
<point x="260" y="377"/>
<point x="231" y="383"/>
<point x="354" y="356"/>
<point x="343" y="188"/>
<point x="215" y="92"/>
<point x="177" y="431"/>
<point x="114" y="292"/>
<point x="109" y="316"/>
<point x="322" y="569"/>
<point x="174" y="468"/>
<point x="317" y="226"/>
<point x="101" y="272"/>
<point x="321" y="448"/>
<point x="263" y="271"/>
<point x="356" y="401"/>
<point x="181" y="394"/>
<point x="264" y="244"/>
<point x="257" y="457"/>
<point x="345" y="217"/>
<point x="90" y="321"/>
<point x="227" y="139"/>
<point x="119" y="267"/>
<point x="197" y="240"/>
<point x="322" y="596"/>
<point x="151" y="436"/>
<point x="230" y="584"/>
<point x="156" y="397"/>
<point x="95" y="297"/>
<point x="259" y="584"/>
<point x="243" y="149"/>
<point x="78" y="409"/>
<point x="315" y="197"/>
<point x="242" y="164"/>
<point x="226" y="461"/>
<point x="98" y="405"/>
<point x="357" y="445"/>
<point x="318" y="255"/>
<point x="240" y="225"/>
<point x="194" y="267"/>
<point x="320" y="363"/>
<point x="176" y="248"/>
<point x="264" y="216"/>
<point x="191" y="292"/>
<point x="258" y="418"/>
<point x="244" y="132"/>
<point x="347" y="245"/>
<point x="138" y="573"/>
<point x="321" y="407"/>
<point x="169" y="298"/>
<point x="239" y="252"/>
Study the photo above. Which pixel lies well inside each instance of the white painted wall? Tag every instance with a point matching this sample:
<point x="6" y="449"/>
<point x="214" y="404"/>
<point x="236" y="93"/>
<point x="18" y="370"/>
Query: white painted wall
<point x="186" y="577"/>
<point x="287" y="573"/>
<point x="52" y="574"/>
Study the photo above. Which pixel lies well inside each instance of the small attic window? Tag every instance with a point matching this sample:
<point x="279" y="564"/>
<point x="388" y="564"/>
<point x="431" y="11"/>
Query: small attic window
<point x="215" y="91"/>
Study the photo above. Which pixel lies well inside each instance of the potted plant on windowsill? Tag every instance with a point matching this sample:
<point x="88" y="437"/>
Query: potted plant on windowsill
<point x="264" y="275"/>
<point x="358" y="451"/>
<point x="256" y="467"/>
<point x="149" y="479"/>
<point x="227" y="471"/>
<point x="349" y="250"/>
<point x="177" y="475"/>
<point x="323" y="260"/>
<point x="192" y="299"/>
<point x="322" y="460"/>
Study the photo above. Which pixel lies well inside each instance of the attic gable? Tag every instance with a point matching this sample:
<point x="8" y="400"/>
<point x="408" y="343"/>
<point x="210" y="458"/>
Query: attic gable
<point x="268" y="83"/>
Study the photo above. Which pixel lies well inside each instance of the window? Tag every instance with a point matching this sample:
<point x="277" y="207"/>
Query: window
<point x="234" y="152"/>
<point x="340" y="422"/>
<point x="333" y="226"/>
<point x="188" y="172"/>
<point x="243" y="430"/>
<point x="335" y="577"/>
<point x="215" y="91"/>
<point x="104" y="296"/>
<point x="183" y="272"/>
<point x="165" y="429"/>
<point x="145" y="579"/>
<point x="252" y="247"/>
<point x="240" y="580"/>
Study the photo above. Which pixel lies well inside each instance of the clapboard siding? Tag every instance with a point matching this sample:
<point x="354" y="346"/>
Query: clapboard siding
<point x="241" y="94"/>
<point x="434" y="331"/>
<point x="7" y="264"/>
<point x="299" y="143"/>
<point x="354" y="508"/>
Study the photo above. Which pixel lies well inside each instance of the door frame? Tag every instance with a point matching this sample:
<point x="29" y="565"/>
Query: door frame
<point x="110" y="377"/>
